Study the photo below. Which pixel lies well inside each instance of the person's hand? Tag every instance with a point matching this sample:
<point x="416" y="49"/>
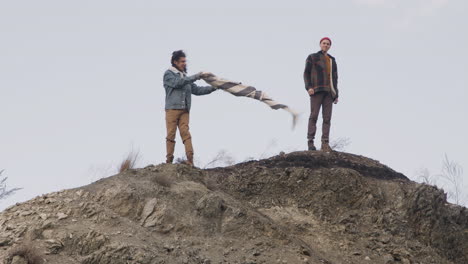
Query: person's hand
<point x="206" y="74"/>
<point x="336" y="101"/>
<point x="311" y="91"/>
<point x="199" y="75"/>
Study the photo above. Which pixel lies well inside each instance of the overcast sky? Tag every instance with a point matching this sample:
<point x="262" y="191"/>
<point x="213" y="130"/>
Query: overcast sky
<point x="81" y="82"/>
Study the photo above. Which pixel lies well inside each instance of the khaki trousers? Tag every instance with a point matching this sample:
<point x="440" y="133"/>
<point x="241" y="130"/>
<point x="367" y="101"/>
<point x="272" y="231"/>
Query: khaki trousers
<point x="319" y="100"/>
<point x="178" y="119"/>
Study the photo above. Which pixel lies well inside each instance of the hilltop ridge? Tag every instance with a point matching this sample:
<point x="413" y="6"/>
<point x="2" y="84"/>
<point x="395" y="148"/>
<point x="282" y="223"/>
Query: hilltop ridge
<point x="300" y="207"/>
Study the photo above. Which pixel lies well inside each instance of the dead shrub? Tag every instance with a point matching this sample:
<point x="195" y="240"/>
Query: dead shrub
<point x="130" y="161"/>
<point x="181" y="160"/>
<point x="223" y="158"/>
<point x="28" y="252"/>
<point x="340" y="144"/>
<point x="4" y="192"/>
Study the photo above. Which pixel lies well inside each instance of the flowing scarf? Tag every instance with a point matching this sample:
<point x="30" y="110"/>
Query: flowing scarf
<point x="238" y="89"/>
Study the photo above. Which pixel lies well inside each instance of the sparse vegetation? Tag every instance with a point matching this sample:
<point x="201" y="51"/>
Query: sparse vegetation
<point x="181" y="160"/>
<point x="271" y="145"/>
<point x="450" y="179"/>
<point x="4" y="191"/>
<point x="452" y="172"/>
<point x="28" y="252"/>
<point x="130" y="161"/>
<point x="223" y="158"/>
<point x="340" y="144"/>
<point x="425" y="177"/>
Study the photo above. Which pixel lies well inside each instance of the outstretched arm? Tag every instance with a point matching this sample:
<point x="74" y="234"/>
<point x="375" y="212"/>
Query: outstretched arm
<point x="175" y="81"/>
<point x="202" y="90"/>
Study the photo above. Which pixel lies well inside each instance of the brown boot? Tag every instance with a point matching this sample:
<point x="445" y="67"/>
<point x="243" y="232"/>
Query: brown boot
<point x="170" y="146"/>
<point x="326" y="147"/>
<point x="190" y="160"/>
<point x="311" y="146"/>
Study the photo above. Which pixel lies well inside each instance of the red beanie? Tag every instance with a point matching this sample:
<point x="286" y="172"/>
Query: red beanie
<point x="326" y="38"/>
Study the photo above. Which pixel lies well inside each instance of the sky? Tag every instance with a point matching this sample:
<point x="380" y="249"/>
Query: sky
<point x="81" y="83"/>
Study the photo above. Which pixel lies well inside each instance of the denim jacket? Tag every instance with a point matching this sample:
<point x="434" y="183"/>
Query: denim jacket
<point x="180" y="87"/>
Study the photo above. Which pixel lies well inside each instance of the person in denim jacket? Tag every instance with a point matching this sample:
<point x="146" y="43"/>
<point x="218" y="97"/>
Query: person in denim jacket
<point x="179" y="89"/>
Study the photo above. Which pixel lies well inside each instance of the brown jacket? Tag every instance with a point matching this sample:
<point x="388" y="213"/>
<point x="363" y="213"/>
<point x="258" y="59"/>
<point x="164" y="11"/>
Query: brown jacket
<point x="316" y="75"/>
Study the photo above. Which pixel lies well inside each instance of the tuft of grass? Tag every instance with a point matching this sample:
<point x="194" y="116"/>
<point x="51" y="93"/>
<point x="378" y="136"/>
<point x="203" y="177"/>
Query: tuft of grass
<point x="130" y="161"/>
<point x="181" y="160"/>
<point x="28" y="252"/>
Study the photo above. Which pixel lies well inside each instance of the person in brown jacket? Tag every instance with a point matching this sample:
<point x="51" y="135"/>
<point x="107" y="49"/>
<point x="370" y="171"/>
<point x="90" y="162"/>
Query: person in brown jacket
<point x="179" y="89"/>
<point x="321" y="83"/>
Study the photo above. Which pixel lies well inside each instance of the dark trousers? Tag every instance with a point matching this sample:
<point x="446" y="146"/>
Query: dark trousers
<point x="319" y="100"/>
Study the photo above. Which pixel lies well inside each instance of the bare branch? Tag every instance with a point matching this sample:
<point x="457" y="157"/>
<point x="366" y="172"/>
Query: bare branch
<point x="425" y="176"/>
<point x="340" y="144"/>
<point x="4" y="191"/>
<point x="221" y="159"/>
<point x="452" y="172"/>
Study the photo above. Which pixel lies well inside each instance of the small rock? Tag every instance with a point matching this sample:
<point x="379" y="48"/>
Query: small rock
<point x="367" y="258"/>
<point x="25" y="213"/>
<point x="43" y="216"/>
<point x="61" y="216"/>
<point x="48" y="233"/>
<point x="4" y="241"/>
<point x="49" y="200"/>
<point x="305" y="251"/>
<point x="387" y="258"/>
<point x="385" y="239"/>
<point x="18" y="260"/>
<point x="53" y="246"/>
<point x="356" y="253"/>
<point x="168" y="248"/>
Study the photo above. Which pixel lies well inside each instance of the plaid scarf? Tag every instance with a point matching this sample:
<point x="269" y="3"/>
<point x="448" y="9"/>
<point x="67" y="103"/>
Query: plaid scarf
<point x="238" y="89"/>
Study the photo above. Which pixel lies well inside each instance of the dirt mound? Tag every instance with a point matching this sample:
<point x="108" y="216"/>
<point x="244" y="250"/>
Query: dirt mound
<point x="302" y="207"/>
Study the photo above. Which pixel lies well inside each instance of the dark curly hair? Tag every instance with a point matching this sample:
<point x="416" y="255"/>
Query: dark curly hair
<point x="176" y="55"/>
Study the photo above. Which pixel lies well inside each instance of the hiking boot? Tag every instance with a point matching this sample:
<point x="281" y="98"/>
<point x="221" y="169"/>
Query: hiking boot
<point x="190" y="160"/>
<point x="326" y="147"/>
<point x="311" y="146"/>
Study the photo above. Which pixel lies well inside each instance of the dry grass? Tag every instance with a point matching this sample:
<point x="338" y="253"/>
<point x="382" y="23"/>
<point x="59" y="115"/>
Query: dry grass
<point x="223" y="158"/>
<point x="28" y="252"/>
<point x="129" y="162"/>
<point x="340" y="144"/>
<point x="181" y="160"/>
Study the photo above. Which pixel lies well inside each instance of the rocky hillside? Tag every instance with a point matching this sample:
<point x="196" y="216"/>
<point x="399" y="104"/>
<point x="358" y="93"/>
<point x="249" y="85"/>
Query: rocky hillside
<point x="302" y="207"/>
